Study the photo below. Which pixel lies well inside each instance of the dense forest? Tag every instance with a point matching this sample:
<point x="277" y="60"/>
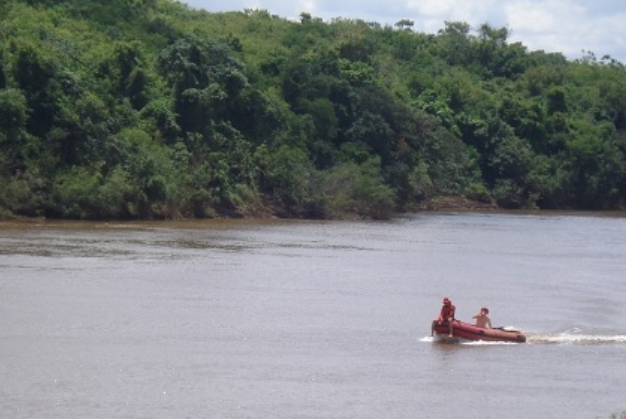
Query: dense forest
<point x="131" y="109"/>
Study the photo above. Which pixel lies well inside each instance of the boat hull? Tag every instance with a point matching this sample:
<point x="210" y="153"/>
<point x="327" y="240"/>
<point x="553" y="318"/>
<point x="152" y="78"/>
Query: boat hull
<point x="469" y="331"/>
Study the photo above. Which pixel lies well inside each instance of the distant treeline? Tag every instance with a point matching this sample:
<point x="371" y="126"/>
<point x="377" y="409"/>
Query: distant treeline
<point x="126" y="109"/>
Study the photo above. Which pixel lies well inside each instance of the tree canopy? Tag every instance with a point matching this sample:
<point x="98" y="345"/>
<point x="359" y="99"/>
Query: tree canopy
<point x="133" y="109"/>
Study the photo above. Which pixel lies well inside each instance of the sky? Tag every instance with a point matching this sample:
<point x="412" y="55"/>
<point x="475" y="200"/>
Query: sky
<point x="565" y="26"/>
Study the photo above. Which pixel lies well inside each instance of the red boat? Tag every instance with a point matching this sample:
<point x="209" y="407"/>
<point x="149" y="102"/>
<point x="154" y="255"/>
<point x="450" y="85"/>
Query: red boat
<point x="469" y="331"/>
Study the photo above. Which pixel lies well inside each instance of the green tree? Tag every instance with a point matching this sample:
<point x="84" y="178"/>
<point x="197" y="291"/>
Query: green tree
<point x="13" y="119"/>
<point x="292" y="181"/>
<point x="3" y="76"/>
<point x="35" y="75"/>
<point x="358" y="190"/>
<point x="205" y="79"/>
<point x="373" y="131"/>
<point x="133" y="77"/>
<point x="456" y="44"/>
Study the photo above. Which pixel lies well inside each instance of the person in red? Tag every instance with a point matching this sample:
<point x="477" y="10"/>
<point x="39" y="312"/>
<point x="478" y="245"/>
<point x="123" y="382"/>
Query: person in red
<point x="446" y="316"/>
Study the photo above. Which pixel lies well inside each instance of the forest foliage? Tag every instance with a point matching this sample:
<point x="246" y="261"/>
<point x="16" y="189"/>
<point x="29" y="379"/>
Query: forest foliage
<point x="131" y="109"/>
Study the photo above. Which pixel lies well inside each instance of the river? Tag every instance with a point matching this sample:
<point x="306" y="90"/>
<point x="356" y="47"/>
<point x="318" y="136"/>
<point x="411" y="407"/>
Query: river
<point x="302" y="319"/>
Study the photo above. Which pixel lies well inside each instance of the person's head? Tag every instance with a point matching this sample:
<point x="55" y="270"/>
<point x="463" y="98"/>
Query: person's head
<point x="446" y="301"/>
<point x="484" y="311"/>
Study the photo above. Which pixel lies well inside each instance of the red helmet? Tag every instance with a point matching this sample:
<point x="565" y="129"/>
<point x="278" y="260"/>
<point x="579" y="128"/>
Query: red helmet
<point x="485" y="309"/>
<point x="447" y="301"/>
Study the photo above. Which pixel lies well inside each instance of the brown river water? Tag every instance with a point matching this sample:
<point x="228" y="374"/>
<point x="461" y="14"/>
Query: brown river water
<point x="297" y="319"/>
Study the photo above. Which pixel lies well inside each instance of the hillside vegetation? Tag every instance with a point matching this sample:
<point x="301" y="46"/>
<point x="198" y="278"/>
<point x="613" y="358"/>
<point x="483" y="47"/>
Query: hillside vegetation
<point x="130" y="109"/>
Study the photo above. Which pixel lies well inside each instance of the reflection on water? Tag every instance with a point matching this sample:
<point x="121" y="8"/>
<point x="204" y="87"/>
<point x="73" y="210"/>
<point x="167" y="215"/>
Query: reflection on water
<point x="297" y="319"/>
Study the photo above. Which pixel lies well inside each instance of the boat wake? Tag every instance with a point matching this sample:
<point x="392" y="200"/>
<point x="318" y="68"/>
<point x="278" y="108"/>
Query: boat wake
<point x="457" y="341"/>
<point x="575" y="339"/>
<point x="573" y="336"/>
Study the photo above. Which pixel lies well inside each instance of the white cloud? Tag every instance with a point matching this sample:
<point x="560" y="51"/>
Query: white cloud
<point x="307" y="6"/>
<point x="459" y="10"/>
<point x="567" y="26"/>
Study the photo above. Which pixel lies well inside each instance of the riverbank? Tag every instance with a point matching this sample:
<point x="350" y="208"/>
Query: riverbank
<point x="456" y="202"/>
